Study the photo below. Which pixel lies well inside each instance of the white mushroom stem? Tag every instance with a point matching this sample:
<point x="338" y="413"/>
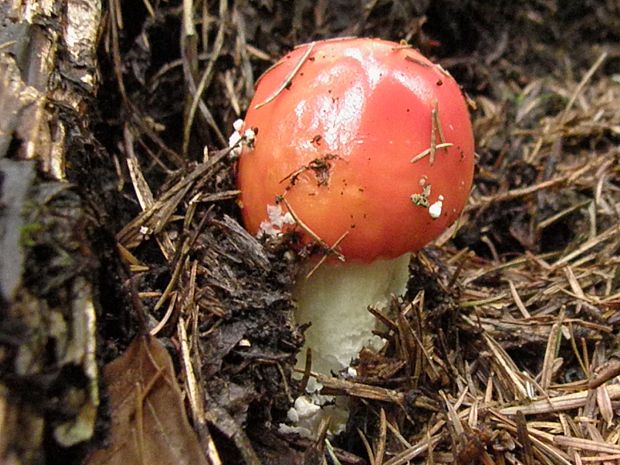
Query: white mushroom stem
<point x="335" y="300"/>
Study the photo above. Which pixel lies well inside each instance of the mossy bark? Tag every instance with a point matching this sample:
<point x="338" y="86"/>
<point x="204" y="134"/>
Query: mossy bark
<point x="48" y="372"/>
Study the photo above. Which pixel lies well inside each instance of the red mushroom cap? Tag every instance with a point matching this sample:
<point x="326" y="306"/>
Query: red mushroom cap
<point x="338" y="123"/>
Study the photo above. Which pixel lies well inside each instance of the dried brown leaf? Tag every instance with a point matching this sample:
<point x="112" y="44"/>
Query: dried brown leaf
<point x="149" y="423"/>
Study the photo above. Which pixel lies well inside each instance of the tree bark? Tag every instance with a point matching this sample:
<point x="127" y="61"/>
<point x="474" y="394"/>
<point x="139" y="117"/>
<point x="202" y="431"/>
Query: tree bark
<point x="48" y="372"/>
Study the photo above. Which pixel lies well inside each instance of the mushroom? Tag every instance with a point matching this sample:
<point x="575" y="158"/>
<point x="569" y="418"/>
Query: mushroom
<point x="364" y="147"/>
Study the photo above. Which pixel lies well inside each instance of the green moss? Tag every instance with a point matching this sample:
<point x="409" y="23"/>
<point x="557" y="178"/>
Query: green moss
<point x="28" y="233"/>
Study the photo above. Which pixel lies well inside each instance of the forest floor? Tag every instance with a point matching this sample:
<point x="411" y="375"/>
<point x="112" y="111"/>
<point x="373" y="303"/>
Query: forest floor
<point x="506" y="347"/>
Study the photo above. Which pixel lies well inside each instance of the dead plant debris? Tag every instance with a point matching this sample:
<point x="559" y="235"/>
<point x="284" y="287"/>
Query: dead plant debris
<point x="149" y="423"/>
<point x="501" y="353"/>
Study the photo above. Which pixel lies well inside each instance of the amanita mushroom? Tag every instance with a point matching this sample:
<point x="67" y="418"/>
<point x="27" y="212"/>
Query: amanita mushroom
<point x="365" y="147"/>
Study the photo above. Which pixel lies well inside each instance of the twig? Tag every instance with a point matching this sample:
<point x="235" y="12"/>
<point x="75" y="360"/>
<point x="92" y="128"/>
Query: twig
<point x="581" y="85"/>
<point x="433" y="148"/>
<point x="418" y="448"/>
<point x="555" y="336"/>
<point x="289" y="78"/>
<point x="524" y="439"/>
<point x="160" y="325"/>
<point x="435" y="114"/>
<point x="587" y="444"/>
<point x="426" y="152"/>
<point x="604" y="373"/>
<point x="314" y="235"/>
<point x="381" y="442"/>
<point x="331" y="250"/>
<point x="197" y="91"/>
<point x="558" y="403"/>
<point x="517" y="299"/>
<point x="528" y="190"/>
<point x="303" y="225"/>
<point x="362" y="391"/>
<point x="307" y="370"/>
<point x="608" y="233"/>
<point x="436" y="129"/>
<point x="371" y="456"/>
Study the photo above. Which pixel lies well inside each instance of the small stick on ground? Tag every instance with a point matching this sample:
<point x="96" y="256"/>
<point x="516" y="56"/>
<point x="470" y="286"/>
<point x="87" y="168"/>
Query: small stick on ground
<point x="524" y="439"/>
<point x="427" y="152"/>
<point x="437" y="123"/>
<point x="331" y="250"/>
<point x="303" y="225"/>
<point x="315" y="236"/>
<point x="307" y="370"/>
<point x="289" y="78"/>
<point x="436" y="130"/>
<point x="609" y="370"/>
<point x="433" y="147"/>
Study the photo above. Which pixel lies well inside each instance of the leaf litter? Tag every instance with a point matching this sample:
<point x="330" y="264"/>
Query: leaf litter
<point x="505" y="348"/>
<point x="148" y="420"/>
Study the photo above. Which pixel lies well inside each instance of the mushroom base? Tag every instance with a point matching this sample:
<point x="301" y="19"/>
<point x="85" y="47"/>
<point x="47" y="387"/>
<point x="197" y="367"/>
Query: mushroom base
<point x="335" y="300"/>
